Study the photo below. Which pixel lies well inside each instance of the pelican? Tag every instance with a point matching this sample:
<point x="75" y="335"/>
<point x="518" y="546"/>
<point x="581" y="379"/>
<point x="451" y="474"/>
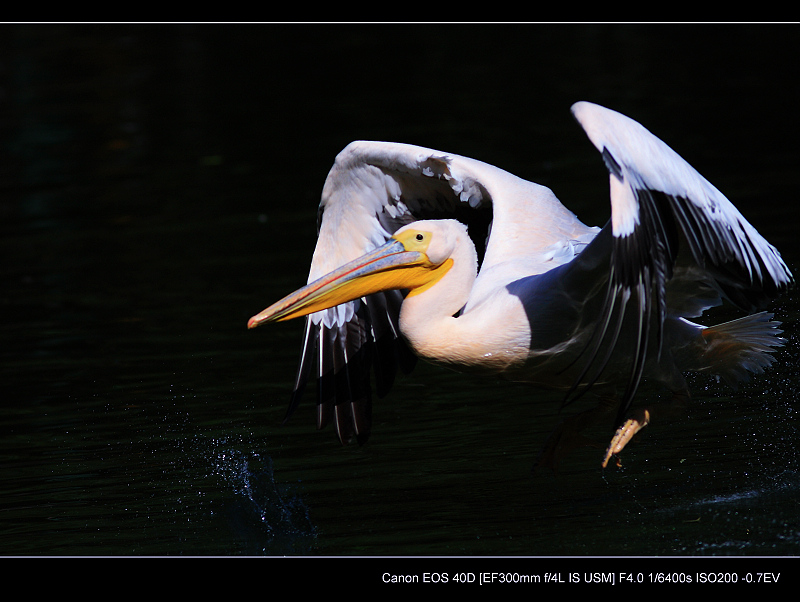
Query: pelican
<point x="543" y="298"/>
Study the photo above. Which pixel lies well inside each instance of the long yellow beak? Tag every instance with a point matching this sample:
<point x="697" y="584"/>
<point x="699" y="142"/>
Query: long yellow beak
<point x="390" y="266"/>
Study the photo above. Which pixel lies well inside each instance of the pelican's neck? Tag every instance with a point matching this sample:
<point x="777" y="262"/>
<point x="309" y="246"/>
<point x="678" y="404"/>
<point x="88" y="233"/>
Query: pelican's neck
<point x="427" y="318"/>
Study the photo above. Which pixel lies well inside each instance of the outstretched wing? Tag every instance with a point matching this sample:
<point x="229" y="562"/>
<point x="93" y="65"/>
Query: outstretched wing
<point x="657" y="200"/>
<point x="373" y="189"/>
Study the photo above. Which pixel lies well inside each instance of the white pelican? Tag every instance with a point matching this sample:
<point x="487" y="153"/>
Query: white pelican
<point x="553" y="302"/>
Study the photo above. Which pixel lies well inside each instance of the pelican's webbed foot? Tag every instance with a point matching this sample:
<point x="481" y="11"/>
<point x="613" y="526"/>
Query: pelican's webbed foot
<point x="639" y="418"/>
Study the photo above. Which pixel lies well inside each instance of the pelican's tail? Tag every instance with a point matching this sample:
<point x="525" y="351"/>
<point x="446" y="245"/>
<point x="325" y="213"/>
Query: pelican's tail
<point x="733" y="350"/>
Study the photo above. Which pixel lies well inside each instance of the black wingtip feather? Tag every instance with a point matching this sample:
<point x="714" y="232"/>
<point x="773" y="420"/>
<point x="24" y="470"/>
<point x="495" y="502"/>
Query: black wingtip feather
<point x="640" y="266"/>
<point x="346" y="359"/>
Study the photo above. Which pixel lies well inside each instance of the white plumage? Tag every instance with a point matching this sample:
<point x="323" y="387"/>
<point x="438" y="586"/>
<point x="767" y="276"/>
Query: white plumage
<point x="551" y="301"/>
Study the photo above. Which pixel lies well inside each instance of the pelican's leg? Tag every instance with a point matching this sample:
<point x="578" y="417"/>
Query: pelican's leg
<point x="639" y="418"/>
<point x="569" y="436"/>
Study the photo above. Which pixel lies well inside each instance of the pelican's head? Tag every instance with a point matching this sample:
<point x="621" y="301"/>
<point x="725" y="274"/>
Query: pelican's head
<point x="414" y="258"/>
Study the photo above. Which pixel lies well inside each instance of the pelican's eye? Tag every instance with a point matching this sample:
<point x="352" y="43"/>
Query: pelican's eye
<point x="414" y="240"/>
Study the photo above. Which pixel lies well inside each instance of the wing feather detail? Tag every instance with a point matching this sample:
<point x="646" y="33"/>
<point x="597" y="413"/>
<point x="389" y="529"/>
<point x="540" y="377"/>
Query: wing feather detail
<point x="372" y="190"/>
<point x="657" y="201"/>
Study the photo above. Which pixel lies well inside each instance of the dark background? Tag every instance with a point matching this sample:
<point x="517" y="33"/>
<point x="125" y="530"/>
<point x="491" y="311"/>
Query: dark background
<point x="159" y="185"/>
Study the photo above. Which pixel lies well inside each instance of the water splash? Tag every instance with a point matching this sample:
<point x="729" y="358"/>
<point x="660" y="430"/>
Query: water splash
<point x="266" y="517"/>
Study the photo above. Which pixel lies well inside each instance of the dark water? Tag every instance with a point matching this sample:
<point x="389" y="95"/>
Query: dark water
<point x="159" y="186"/>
